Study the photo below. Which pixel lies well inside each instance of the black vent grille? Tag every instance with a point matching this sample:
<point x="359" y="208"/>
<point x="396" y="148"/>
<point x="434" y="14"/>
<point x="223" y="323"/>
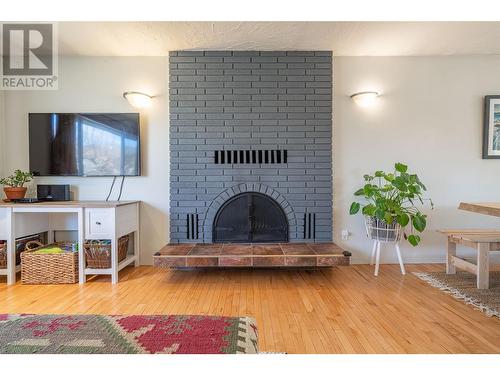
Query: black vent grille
<point x="192" y="226"/>
<point x="309" y="226"/>
<point x="251" y="156"/>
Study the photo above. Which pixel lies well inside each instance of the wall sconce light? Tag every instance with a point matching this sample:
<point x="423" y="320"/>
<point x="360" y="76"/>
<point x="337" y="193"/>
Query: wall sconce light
<point x="365" y="98"/>
<point x="138" y="99"/>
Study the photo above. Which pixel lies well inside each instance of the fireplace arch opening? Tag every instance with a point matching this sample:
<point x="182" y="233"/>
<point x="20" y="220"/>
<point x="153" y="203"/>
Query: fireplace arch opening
<point x="250" y="217"/>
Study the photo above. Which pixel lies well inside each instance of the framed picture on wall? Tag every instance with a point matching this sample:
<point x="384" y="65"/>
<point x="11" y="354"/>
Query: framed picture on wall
<point x="491" y="132"/>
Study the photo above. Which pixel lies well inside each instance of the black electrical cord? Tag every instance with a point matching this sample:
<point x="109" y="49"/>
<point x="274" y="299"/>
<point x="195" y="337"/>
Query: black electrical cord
<point x="121" y="188"/>
<point x="111" y="188"/>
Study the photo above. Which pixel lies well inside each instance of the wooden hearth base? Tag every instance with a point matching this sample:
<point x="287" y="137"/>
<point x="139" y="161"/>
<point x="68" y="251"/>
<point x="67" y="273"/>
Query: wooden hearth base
<point x="251" y="255"/>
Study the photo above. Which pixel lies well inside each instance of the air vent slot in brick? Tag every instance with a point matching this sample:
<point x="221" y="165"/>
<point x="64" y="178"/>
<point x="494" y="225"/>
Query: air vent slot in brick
<point x="309" y="226"/>
<point x="251" y="156"/>
<point x="192" y="226"/>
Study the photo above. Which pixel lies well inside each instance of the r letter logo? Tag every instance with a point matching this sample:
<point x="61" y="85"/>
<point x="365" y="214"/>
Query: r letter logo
<point x="29" y="57"/>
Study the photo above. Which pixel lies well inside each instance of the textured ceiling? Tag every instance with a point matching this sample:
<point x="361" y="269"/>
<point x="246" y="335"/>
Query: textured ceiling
<point x="343" y="38"/>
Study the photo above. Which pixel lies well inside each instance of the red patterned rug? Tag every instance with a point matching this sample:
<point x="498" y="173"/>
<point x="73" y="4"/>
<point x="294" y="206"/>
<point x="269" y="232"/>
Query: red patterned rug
<point x="126" y="334"/>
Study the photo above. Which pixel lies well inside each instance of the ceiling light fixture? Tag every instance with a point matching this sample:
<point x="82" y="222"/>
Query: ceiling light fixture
<point x="138" y="99"/>
<point x="365" y="98"/>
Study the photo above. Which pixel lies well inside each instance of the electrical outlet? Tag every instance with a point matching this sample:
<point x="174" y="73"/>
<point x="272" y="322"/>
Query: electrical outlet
<point x="345" y="234"/>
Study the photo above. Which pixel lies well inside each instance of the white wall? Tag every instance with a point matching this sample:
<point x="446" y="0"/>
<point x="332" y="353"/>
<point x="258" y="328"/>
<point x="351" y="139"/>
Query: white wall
<point x="96" y="85"/>
<point x="2" y="135"/>
<point x="430" y="117"/>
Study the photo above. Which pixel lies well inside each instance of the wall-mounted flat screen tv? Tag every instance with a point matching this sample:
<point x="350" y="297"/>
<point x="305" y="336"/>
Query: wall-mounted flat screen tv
<point x="84" y="144"/>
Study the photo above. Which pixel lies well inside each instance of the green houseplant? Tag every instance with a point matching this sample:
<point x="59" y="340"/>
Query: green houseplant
<point x="390" y="205"/>
<point x="14" y="184"/>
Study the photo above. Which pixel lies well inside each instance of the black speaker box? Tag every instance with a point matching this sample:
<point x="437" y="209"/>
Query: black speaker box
<point x="53" y="192"/>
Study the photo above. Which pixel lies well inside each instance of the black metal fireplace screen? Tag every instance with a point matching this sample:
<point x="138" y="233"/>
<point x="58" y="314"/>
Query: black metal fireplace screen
<point x="250" y="217"/>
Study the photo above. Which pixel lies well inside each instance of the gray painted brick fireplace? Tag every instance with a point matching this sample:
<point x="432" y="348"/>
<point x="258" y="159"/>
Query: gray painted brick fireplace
<point x="243" y="121"/>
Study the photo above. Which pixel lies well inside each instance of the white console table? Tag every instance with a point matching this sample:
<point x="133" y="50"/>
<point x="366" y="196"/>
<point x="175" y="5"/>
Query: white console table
<point x="94" y="220"/>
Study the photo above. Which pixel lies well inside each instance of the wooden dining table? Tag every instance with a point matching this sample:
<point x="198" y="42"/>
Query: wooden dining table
<point x="483" y="240"/>
<point x="489" y="208"/>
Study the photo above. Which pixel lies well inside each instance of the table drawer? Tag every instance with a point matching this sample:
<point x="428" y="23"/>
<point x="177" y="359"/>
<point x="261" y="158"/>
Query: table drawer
<point x="99" y="223"/>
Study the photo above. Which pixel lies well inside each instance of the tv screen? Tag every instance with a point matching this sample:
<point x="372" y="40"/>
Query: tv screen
<point x="84" y="144"/>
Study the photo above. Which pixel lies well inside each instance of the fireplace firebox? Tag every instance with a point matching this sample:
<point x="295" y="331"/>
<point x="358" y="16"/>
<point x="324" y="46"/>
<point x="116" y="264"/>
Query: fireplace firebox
<point x="250" y="217"/>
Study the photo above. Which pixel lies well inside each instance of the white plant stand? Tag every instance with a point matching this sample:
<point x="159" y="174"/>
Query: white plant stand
<point x="376" y="256"/>
<point x="381" y="232"/>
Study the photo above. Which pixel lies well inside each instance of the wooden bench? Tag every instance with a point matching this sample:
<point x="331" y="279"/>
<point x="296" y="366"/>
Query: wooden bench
<point x="483" y="241"/>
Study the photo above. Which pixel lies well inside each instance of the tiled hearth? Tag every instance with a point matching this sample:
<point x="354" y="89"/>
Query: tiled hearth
<point x="251" y="255"/>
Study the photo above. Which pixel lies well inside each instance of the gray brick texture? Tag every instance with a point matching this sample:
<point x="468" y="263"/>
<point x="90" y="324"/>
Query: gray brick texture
<point x="251" y="100"/>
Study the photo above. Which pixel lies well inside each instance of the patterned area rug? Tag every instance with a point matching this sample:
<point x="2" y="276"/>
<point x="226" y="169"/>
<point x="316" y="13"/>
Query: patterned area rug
<point x="462" y="286"/>
<point x="127" y="334"/>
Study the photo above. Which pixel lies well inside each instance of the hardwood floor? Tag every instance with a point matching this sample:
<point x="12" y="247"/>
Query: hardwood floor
<point x="339" y="310"/>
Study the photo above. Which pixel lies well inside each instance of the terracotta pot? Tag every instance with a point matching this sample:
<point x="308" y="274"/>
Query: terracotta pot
<point x="14" y="193"/>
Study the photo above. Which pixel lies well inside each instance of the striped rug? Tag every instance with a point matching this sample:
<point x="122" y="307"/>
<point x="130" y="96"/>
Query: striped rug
<point x="462" y="286"/>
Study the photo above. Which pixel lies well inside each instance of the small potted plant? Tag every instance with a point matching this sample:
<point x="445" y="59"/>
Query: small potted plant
<point x="14" y="184"/>
<point x="390" y="206"/>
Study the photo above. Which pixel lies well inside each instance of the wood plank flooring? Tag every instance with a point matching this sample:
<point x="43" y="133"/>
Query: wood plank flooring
<point x="338" y="310"/>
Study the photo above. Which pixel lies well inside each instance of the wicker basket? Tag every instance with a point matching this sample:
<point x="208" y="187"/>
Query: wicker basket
<point x="20" y="247"/>
<point x="3" y="255"/>
<point x="98" y="253"/>
<point x="48" y="268"/>
<point x="379" y="230"/>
